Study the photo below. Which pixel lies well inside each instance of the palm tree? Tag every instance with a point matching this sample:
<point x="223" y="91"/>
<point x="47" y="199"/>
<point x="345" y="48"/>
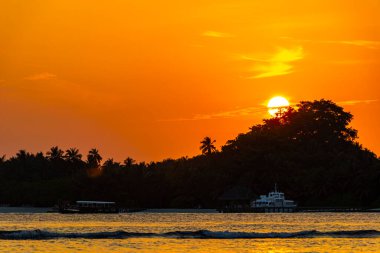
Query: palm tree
<point x="129" y="162"/>
<point x="93" y="158"/>
<point x="207" y="146"/>
<point x="73" y="155"/>
<point x="109" y="164"/>
<point x="22" y="154"/>
<point x="55" y="153"/>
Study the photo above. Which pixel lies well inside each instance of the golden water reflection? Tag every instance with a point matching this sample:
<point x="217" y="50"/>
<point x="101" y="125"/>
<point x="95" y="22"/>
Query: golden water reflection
<point x="195" y="245"/>
<point x="169" y="222"/>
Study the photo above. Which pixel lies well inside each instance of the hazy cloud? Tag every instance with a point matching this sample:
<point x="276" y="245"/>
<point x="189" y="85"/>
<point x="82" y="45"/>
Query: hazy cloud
<point x="240" y="112"/>
<point x="361" y="43"/>
<point x="371" y="44"/>
<point x="355" y="102"/>
<point x="216" y="34"/>
<point x="352" y="62"/>
<point x="249" y="111"/>
<point x="41" y="76"/>
<point x="275" y="64"/>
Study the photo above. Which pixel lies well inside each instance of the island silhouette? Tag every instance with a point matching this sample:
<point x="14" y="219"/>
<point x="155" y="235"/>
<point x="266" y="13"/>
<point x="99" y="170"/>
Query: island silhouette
<point x="310" y="151"/>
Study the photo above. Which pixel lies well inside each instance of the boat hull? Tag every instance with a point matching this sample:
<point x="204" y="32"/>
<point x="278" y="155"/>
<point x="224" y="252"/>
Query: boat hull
<point x="84" y="211"/>
<point x="73" y="211"/>
<point x="274" y="210"/>
<point x="260" y="210"/>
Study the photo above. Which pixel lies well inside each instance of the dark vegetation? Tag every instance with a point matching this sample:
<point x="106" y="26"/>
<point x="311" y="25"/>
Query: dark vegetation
<point x="310" y="152"/>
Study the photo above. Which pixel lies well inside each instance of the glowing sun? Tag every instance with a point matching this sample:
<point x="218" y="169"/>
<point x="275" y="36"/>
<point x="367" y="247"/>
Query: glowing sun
<point x="277" y="105"/>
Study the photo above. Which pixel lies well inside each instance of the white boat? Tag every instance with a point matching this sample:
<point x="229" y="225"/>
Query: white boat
<point x="274" y="202"/>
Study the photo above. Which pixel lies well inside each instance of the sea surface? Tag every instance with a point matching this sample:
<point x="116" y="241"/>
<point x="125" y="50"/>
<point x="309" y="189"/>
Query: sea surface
<point x="189" y="232"/>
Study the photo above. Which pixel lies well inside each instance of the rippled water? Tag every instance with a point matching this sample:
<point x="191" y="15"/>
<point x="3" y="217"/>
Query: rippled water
<point x="190" y="232"/>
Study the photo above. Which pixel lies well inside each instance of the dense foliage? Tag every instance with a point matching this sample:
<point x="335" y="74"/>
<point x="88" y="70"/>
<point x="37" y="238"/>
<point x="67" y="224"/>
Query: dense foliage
<point x="310" y="152"/>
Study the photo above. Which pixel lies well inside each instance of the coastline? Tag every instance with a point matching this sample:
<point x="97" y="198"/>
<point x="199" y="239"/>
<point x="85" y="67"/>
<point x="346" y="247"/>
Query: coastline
<point x="186" y="210"/>
<point x="7" y="209"/>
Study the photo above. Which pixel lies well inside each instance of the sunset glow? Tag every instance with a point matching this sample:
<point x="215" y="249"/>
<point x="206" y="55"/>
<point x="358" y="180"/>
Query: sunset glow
<point x="277" y="104"/>
<point x="185" y="126"/>
<point x="150" y="79"/>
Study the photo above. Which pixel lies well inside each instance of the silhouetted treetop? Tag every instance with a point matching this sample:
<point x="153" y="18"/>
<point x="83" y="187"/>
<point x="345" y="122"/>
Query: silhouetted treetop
<point x="94" y="158"/>
<point x="323" y="120"/>
<point x="207" y="146"/>
<point x="320" y="121"/>
<point x="128" y="162"/>
<point x="73" y="155"/>
<point x="55" y="153"/>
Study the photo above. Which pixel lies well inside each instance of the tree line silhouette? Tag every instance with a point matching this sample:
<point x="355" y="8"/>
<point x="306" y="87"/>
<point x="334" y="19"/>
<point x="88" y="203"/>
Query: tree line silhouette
<point x="310" y="151"/>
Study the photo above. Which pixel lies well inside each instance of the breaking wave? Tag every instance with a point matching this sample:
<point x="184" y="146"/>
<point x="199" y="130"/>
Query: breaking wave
<point x="199" y="234"/>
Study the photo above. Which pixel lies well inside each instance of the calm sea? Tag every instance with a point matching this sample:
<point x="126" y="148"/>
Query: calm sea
<point x="190" y="232"/>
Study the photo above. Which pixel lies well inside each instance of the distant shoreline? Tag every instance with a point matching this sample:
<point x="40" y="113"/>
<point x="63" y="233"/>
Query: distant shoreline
<point x="169" y="210"/>
<point x="22" y="209"/>
<point x="7" y="209"/>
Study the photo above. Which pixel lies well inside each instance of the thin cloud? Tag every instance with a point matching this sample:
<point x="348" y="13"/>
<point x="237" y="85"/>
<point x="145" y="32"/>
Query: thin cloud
<point x="216" y="34"/>
<point x="241" y="112"/>
<point x="41" y="76"/>
<point x="262" y="108"/>
<point x="355" y="102"/>
<point x="352" y="62"/>
<point x="361" y="43"/>
<point x="250" y="111"/>
<point x="370" y="44"/>
<point x="279" y="63"/>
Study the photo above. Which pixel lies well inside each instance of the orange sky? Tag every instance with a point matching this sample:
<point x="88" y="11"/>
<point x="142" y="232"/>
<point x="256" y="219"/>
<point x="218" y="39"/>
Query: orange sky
<point x="150" y="79"/>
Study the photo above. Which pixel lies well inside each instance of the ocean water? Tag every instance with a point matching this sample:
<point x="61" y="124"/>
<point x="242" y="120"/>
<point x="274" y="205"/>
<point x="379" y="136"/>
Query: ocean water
<point x="190" y="232"/>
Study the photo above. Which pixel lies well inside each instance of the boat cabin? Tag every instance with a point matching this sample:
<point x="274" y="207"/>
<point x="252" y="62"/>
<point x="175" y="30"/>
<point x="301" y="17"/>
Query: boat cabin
<point x="273" y="202"/>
